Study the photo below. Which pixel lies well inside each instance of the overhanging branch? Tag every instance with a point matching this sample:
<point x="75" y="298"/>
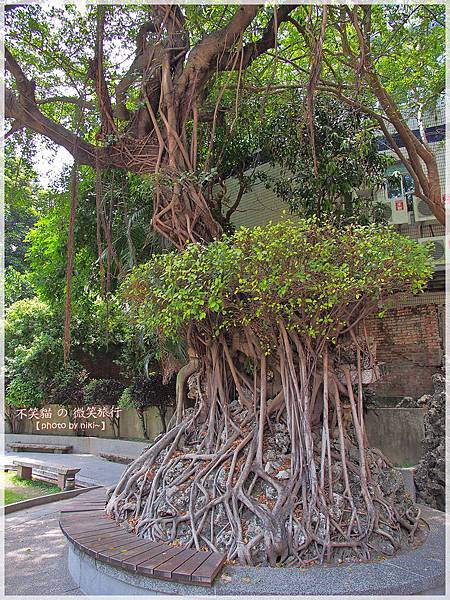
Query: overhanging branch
<point x="31" y="117"/>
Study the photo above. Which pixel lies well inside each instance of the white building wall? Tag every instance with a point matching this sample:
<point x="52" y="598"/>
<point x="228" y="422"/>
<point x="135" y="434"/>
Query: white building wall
<point x="258" y="206"/>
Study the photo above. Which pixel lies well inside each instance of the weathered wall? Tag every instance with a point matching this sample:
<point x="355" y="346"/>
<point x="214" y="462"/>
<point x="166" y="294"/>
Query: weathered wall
<point x="397" y="432"/>
<point x="130" y="426"/>
<point x="409" y="343"/>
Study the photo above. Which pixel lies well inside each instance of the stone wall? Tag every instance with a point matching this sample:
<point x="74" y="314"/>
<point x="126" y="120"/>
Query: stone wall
<point x="397" y="432"/>
<point x="409" y="346"/>
<point x="430" y="473"/>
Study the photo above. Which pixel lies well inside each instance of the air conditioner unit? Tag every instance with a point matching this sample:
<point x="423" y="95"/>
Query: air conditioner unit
<point x="395" y="211"/>
<point x="438" y="249"/>
<point x="422" y="212"/>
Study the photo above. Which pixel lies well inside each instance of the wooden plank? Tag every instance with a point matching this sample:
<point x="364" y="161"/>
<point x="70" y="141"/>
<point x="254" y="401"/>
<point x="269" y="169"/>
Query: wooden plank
<point x="81" y="510"/>
<point x="89" y="500"/>
<point x="95" y="548"/>
<point x="94" y="521"/>
<point x="130" y="545"/>
<point x="132" y="563"/>
<point x="94" y="533"/>
<point x="148" y="566"/>
<point x="74" y="532"/>
<point x="82" y="507"/>
<point x="90" y="503"/>
<point x="97" y="517"/>
<point x="183" y="572"/>
<point x="113" y="538"/>
<point x="105" y="534"/>
<point x="93" y="503"/>
<point x="207" y="571"/>
<point x="166" y="569"/>
<point x="126" y="552"/>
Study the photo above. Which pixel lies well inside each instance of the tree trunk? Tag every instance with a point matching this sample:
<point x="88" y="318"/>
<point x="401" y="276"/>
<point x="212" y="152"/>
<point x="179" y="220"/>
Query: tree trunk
<point x="141" y="415"/>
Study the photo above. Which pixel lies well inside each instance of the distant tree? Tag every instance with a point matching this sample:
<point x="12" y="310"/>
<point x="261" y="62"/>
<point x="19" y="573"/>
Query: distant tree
<point x="145" y="392"/>
<point x="106" y="392"/>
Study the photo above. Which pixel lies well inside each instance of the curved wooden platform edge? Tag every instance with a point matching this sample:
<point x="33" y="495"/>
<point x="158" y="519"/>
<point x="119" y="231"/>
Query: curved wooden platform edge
<point x="88" y="528"/>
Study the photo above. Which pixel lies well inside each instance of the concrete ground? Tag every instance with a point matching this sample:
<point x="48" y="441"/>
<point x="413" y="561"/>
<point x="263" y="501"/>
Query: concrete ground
<point x="36" y="553"/>
<point x="35" y="548"/>
<point x="93" y="469"/>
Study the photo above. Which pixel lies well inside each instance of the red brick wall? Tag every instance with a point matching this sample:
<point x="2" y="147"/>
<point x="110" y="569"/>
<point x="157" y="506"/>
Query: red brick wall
<point x="408" y="341"/>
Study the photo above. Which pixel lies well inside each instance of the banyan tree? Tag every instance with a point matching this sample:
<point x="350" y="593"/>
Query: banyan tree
<point x="271" y="465"/>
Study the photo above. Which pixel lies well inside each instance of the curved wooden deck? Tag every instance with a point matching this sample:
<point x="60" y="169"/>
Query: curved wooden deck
<point x="86" y="525"/>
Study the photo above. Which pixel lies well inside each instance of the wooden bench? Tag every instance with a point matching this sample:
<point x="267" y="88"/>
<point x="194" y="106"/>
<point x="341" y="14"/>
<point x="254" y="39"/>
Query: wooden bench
<point x="85" y="523"/>
<point x="66" y="475"/>
<point x="124" y="460"/>
<point x="23" y="447"/>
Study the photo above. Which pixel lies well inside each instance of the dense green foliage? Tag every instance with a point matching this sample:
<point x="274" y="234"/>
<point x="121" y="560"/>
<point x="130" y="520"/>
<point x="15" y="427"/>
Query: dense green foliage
<point x="347" y="160"/>
<point x="262" y="275"/>
<point x="147" y="391"/>
<point x="346" y="153"/>
<point x="68" y="386"/>
<point x="17" y="286"/>
<point x="32" y="343"/>
<point x="103" y="391"/>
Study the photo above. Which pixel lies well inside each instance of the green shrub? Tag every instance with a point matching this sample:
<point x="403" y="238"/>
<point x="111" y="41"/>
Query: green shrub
<point x="103" y="391"/>
<point x="299" y="272"/>
<point x="33" y="342"/>
<point x="17" y="286"/>
<point x="68" y="386"/>
<point x="106" y="392"/>
<point x="23" y="393"/>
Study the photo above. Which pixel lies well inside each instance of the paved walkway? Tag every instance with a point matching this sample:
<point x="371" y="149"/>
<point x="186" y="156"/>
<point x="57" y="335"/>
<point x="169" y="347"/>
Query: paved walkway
<point x="36" y="553"/>
<point x="35" y="548"/>
<point x="93" y="469"/>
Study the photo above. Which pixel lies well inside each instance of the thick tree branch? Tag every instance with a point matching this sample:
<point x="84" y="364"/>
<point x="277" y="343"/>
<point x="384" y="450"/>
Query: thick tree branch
<point x="203" y="58"/>
<point x="32" y="118"/>
<point x="23" y="109"/>
<point x="266" y="42"/>
<point x="25" y="87"/>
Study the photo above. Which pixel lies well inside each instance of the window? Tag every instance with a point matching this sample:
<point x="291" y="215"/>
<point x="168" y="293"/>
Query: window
<point x="400" y="187"/>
